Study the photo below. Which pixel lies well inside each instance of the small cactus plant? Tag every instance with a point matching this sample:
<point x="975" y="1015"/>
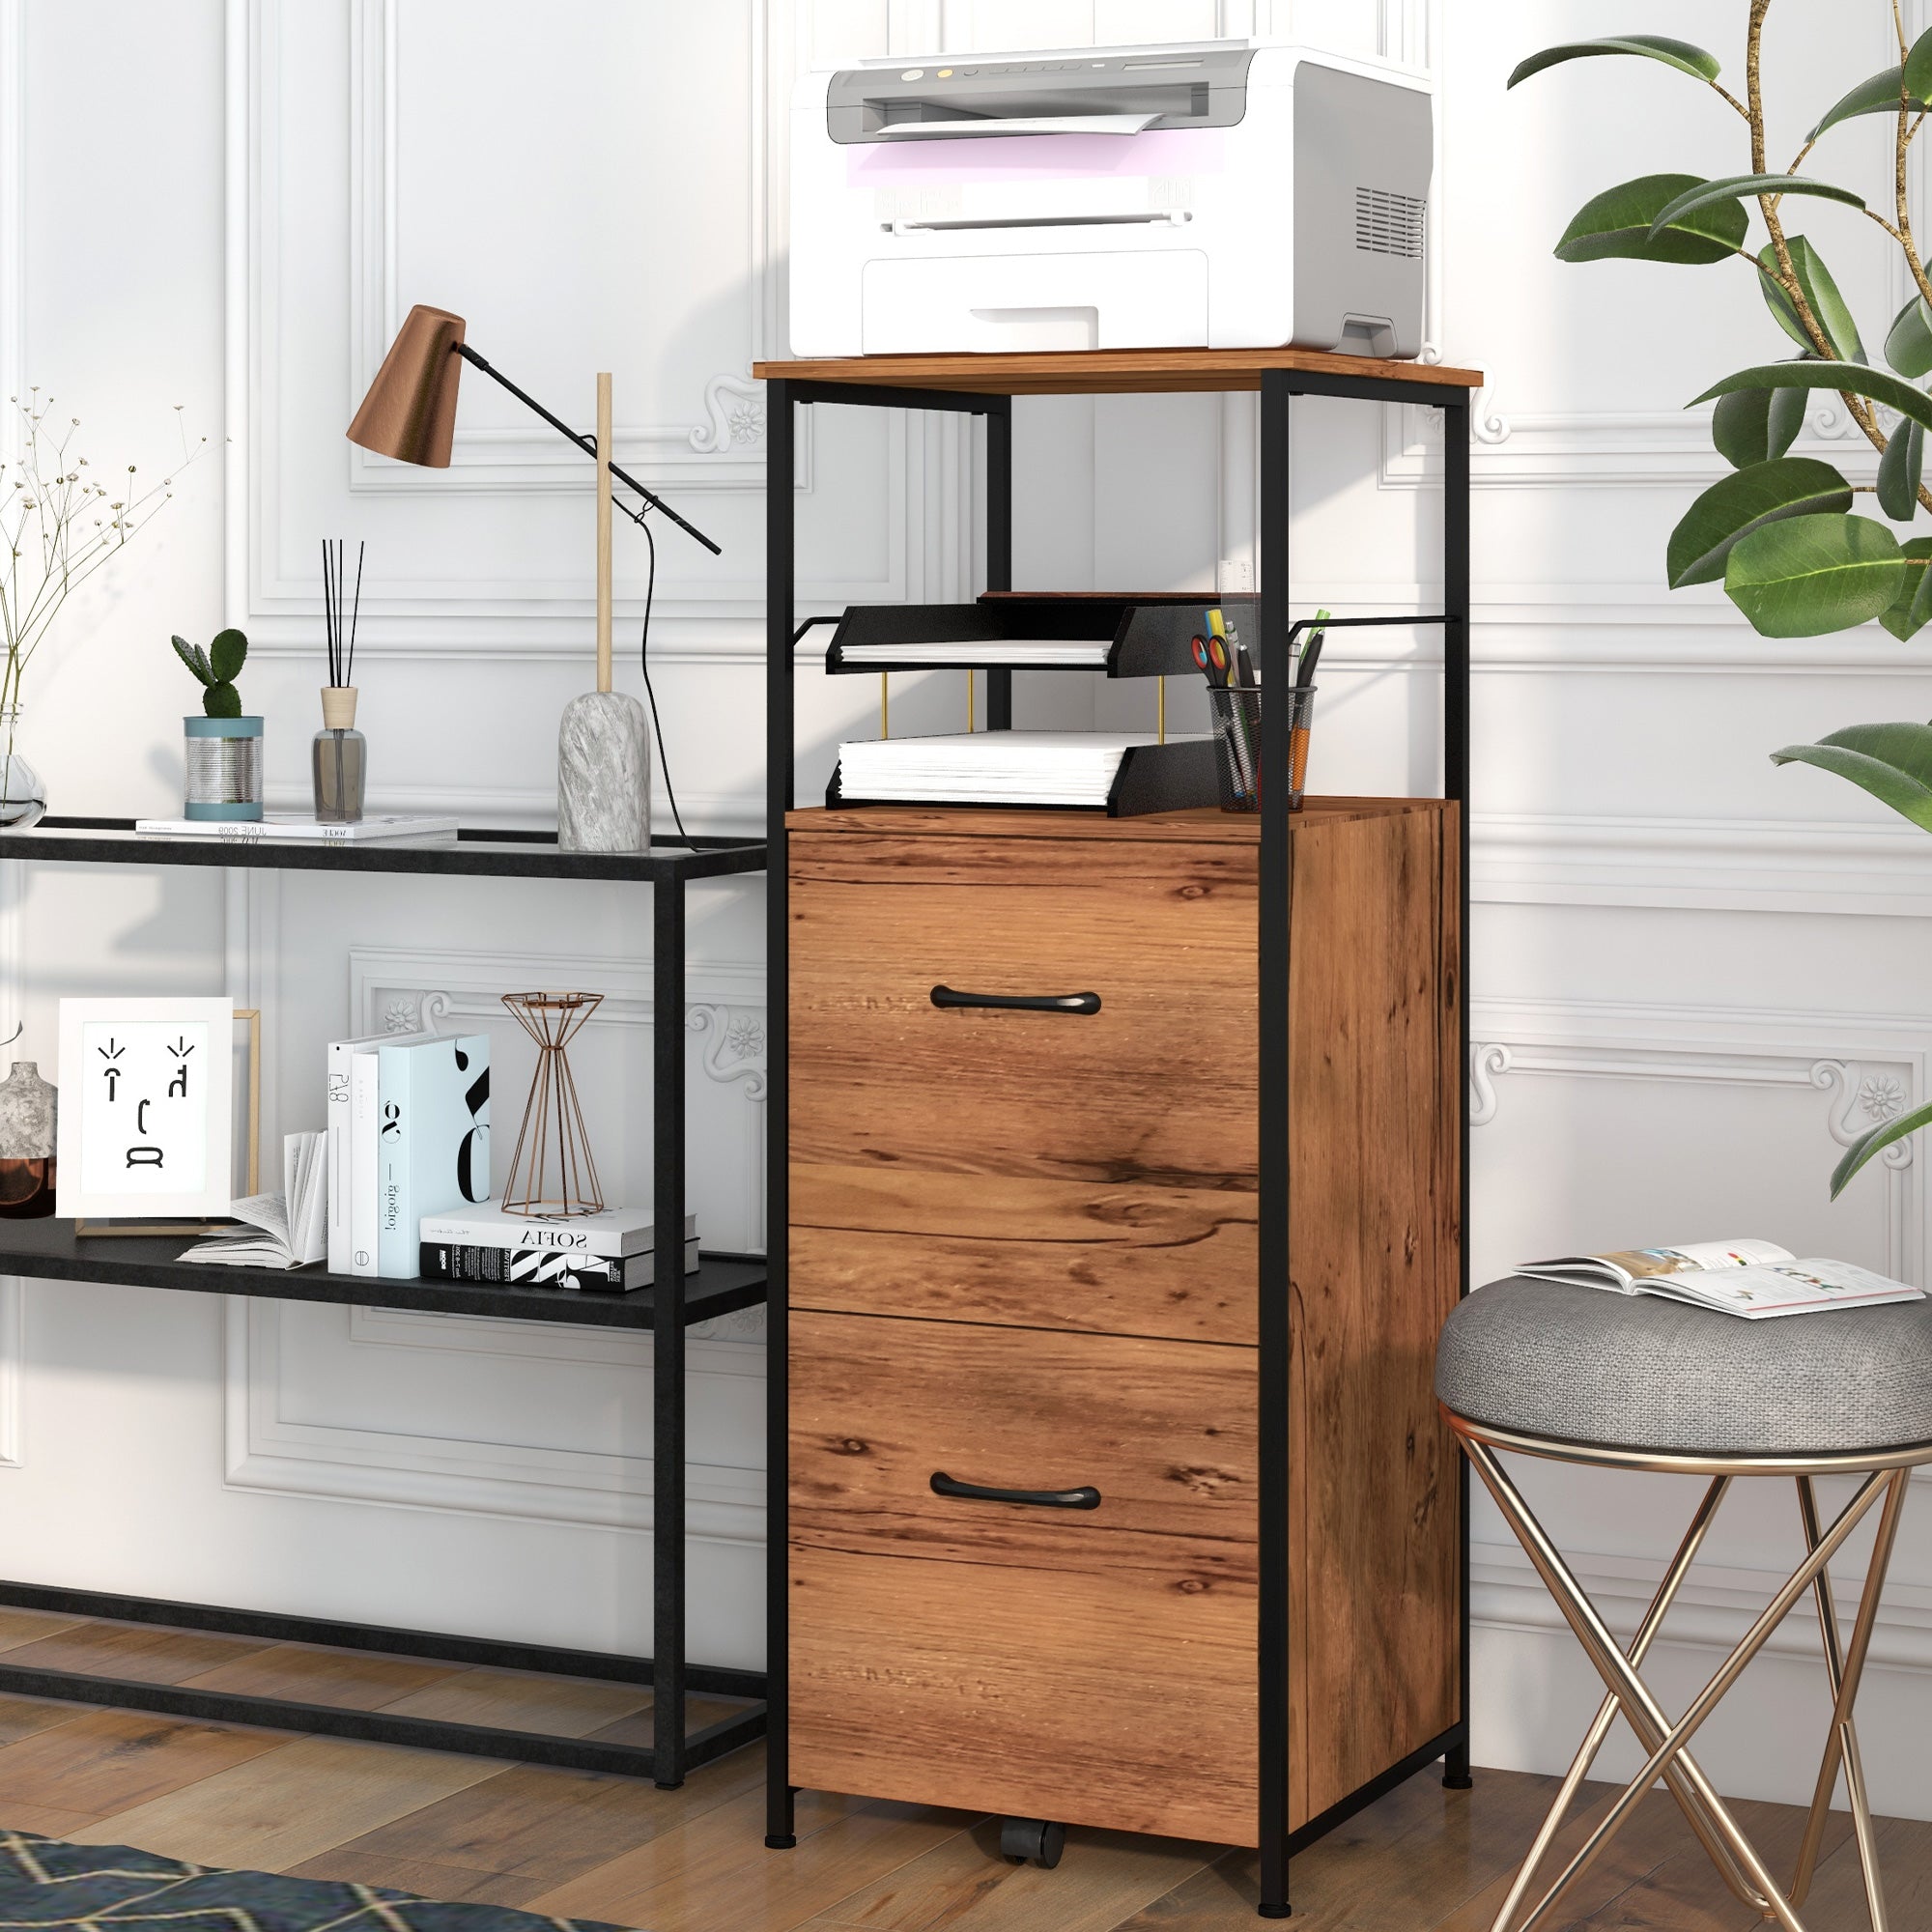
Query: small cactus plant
<point x="218" y="667"/>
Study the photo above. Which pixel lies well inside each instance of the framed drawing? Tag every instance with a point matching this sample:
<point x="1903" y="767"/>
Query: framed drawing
<point x="147" y="1123"/>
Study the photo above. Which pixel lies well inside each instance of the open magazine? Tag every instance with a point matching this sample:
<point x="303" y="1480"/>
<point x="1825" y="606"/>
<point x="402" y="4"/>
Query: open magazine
<point x="1755" y="1279"/>
<point x="283" y="1230"/>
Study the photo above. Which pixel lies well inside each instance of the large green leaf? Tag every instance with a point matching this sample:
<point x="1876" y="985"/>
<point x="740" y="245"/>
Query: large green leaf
<point x="1680" y="54"/>
<point x="1821" y="293"/>
<point x="1803" y="576"/>
<point x="1908" y="613"/>
<point x="1877" y="95"/>
<point x="1893" y="762"/>
<point x="221" y="701"/>
<point x="1907" y="342"/>
<point x="1875" y="1141"/>
<point x="1918" y="66"/>
<point x="1899" y="470"/>
<point x="1620" y="223"/>
<point x="227" y="651"/>
<point x="1731" y="508"/>
<point x="1742" y="188"/>
<point x="1847" y="377"/>
<point x="1754" y="425"/>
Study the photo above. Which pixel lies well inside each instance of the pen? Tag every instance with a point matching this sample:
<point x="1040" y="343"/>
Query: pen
<point x="1311" y="651"/>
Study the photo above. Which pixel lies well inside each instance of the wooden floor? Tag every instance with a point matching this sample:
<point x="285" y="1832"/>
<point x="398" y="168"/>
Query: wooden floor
<point x="576" y="1844"/>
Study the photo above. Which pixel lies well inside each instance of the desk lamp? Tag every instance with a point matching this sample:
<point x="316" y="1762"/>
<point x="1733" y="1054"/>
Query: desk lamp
<point x="603" y="774"/>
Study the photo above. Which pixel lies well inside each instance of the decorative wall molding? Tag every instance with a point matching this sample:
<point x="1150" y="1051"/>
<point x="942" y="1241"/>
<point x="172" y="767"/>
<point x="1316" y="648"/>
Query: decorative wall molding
<point x="1862" y="1065"/>
<point x="12" y="208"/>
<point x="722" y="447"/>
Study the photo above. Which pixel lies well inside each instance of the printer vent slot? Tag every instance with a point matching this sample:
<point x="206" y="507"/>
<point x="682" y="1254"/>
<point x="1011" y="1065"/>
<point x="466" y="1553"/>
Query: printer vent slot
<point x="1389" y="224"/>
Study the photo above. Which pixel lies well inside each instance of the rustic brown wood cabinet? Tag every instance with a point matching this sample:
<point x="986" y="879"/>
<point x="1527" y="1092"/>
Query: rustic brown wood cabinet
<point x="1118" y="1185"/>
<point x="1023" y="1255"/>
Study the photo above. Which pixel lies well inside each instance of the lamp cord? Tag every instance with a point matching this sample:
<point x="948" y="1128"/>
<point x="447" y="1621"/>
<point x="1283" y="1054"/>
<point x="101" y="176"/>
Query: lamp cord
<point x="644" y="662"/>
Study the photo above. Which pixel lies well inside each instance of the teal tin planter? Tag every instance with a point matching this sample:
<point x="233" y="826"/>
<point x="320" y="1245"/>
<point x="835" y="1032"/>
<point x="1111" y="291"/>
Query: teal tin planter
<point x="224" y="768"/>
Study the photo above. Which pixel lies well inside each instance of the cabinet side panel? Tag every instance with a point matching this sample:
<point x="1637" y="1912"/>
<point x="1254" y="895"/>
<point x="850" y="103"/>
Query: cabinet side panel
<point x="1374" y="1527"/>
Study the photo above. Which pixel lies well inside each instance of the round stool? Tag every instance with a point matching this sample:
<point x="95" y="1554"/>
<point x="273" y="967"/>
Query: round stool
<point x="1580" y="1375"/>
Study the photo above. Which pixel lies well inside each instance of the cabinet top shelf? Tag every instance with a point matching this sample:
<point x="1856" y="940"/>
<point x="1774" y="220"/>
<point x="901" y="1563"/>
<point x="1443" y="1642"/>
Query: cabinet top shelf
<point x="1096" y="372"/>
<point x="477" y="853"/>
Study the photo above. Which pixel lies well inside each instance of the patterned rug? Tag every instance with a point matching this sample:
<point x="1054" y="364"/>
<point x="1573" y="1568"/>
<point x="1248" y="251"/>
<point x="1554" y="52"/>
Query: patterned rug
<point x="47" y="1884"/>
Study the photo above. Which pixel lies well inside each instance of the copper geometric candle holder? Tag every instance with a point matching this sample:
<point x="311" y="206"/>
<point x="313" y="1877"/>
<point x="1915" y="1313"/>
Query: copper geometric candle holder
<point x="559" y="1177"/>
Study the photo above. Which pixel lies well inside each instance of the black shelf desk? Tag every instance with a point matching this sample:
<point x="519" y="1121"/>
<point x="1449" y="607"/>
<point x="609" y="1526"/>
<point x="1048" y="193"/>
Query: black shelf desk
<point x="51" y="1251"/>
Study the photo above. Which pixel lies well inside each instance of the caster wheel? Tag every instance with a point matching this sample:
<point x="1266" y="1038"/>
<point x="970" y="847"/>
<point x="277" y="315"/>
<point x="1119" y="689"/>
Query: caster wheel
<point x="1032" y="1841"/>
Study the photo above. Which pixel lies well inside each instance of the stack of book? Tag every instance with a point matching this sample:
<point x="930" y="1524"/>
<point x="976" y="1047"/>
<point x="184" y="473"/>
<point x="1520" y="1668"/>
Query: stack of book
<point x="607" y="1253"/>
<point x="408" y="1135"/>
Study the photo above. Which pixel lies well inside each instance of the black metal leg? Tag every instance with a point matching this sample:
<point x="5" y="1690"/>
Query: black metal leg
<point x="668" y="1338"/>
<point x="1275" y="887"/>
<point x="999" y="544"/>
<point x="780" y="590"/>
<point x="1456" y="785"/>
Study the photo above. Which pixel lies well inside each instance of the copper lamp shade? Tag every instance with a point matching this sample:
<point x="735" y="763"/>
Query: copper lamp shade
<point x="409" y="412"/>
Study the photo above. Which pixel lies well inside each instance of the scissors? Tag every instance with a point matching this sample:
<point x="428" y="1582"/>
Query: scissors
<point x="1211" y="654"/>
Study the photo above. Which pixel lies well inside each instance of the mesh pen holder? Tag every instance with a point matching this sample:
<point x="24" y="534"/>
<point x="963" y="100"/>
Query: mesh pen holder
<point x="1235" y="713"/>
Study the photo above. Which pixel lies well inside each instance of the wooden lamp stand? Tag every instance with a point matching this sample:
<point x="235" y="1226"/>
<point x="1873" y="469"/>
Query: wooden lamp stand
<point x="603" y="750"/>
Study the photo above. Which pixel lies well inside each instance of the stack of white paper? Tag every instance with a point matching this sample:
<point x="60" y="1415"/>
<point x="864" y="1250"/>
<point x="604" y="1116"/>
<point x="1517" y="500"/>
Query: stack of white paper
<point x="1023" y="653"/>
<point x="990" y="767"/>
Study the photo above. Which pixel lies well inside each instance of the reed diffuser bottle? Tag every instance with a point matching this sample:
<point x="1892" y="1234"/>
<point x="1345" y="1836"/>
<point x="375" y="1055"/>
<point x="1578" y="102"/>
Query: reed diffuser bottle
<point x="339" y="758"/>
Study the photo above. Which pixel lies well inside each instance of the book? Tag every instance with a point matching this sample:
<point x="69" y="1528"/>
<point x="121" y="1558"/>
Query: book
<point x="340" y="1052"/>
<point x="432" y="1140"/>
<point x="364" y="1124"/>
<point x="278" y="827"/>
<point x="996" y="767"/>
<point x="289" y="1230"/>
<point x="616" y="1231"/>
<point x="1753" y="1279"/>
<point x="546" y="1268"/>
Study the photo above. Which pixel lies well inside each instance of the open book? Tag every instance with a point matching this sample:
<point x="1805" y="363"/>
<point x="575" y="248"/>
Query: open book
<point x="288" y="1229"/>
<point x="1753" y="1279"/>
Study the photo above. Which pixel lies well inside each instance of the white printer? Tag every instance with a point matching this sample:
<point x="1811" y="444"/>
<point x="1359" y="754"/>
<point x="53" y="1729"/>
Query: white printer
<point x="1233" y="194"/>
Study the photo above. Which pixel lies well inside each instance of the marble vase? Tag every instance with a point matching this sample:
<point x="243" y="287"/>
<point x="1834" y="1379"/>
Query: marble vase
<point x="27" y="1125"/>
<point x="603" y="775"/>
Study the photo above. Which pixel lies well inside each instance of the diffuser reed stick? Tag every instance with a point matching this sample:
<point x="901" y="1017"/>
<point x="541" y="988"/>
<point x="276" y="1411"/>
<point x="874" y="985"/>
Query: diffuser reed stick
<point x="340" y="761"/>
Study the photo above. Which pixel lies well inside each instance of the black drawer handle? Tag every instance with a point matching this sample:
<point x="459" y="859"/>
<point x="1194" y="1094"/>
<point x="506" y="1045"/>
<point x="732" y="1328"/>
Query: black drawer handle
<point x="1083" y="1498"/>
<point x="1021" y="1003"/>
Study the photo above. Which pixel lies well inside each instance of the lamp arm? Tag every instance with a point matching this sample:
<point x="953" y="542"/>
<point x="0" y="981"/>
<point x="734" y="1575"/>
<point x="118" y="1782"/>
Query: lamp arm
<point x="586" y="444"/>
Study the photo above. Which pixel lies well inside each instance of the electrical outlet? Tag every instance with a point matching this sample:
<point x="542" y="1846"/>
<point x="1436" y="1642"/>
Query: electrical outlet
<point x="1235" y="577"/>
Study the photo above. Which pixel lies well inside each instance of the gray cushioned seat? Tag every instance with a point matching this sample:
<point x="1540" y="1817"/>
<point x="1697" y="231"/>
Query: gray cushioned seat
<point x="1638" y="1372"/>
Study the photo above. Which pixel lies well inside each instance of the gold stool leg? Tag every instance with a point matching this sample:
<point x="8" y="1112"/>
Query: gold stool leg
<point x="1646" y="1714"/>
<point x="1600" y="1729"/>
<point x="1843" y="1673"/>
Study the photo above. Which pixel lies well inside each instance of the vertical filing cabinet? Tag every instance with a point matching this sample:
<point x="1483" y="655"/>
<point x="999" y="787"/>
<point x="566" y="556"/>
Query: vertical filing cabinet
<point x="1025" y="1554"/>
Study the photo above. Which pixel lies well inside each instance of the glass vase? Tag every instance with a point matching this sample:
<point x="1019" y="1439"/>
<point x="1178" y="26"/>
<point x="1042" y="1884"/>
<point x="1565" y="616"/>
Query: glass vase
<point x="22" y="797"/>
<point x="339" y="760"/>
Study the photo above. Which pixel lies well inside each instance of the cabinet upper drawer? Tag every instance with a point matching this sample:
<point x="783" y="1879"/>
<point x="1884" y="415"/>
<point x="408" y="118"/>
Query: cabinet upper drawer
<point x="1151" y="1079"/>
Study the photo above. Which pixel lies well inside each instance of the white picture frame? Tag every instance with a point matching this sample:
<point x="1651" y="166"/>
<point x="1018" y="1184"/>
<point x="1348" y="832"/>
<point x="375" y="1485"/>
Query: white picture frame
<point x="147" y="1098"/>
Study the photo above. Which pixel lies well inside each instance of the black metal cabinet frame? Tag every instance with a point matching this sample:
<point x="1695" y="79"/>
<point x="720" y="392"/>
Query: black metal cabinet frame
<point x="1279" y="388"/>
<point x="48" y="1250"/>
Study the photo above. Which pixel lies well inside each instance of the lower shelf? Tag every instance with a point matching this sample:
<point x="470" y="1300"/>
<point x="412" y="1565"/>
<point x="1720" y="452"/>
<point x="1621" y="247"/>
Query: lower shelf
<point x="51" y="1251"/>
<point x="187" y="1700"/>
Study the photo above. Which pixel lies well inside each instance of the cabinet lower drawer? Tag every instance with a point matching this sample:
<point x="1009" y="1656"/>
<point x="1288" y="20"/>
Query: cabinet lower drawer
<point x="1094" y="1664"/>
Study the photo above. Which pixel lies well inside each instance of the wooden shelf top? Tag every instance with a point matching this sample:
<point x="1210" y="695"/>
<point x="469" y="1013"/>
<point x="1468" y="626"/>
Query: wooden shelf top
<point x="1096" y="372"/>
<point x="1201" y="825"/>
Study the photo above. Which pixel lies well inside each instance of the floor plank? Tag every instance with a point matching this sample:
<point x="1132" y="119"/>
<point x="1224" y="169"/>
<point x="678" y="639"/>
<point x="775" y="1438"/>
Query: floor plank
<point x="514" y="1700"/>
<point x="48" y="1820"/>
<point x="1905" y="1867"/>
<point x="292" y="1804"/>
<point x="714" y="1871"/>
<point x="639" y="1727"/>
<point x="425" y="1880"/>
<point x="18" y="1627"/>
<point x="355" y="1679"/>
<point x="553" y="1824"/>
<point x="23" y="1717"/>
<point x="132" y="1650"/>
<point x="112" y="1760"/>
<point x="1102" y="1877"/>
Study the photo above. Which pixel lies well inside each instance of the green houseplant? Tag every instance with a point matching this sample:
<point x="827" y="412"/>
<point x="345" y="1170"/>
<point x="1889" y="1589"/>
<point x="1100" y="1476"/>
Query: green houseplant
<point x="223" y="753"/>
<point x="1780" y="531"/>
